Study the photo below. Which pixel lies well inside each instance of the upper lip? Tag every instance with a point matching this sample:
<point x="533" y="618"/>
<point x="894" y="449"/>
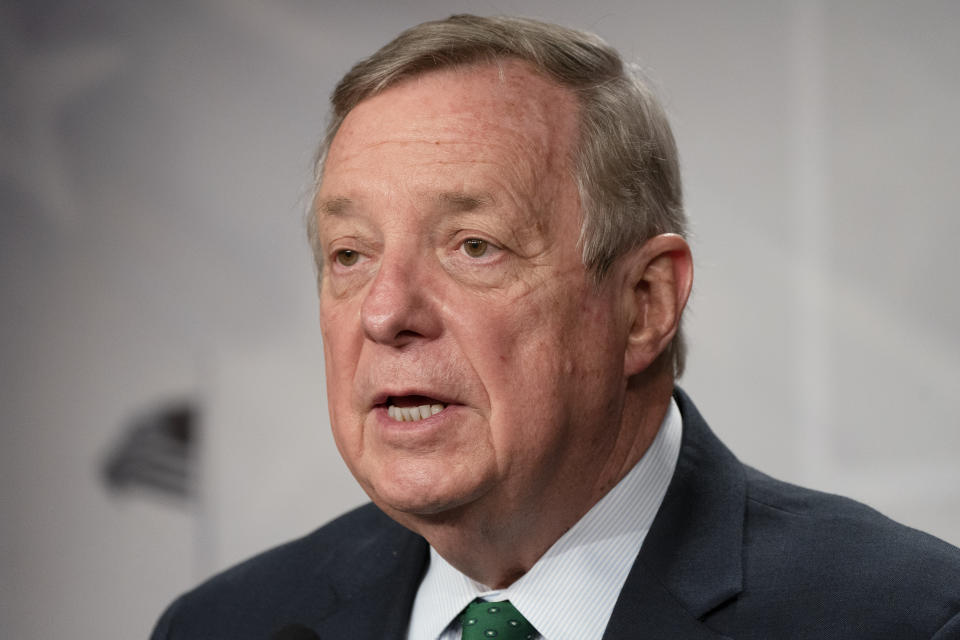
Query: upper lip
<point x="381" y="396"/>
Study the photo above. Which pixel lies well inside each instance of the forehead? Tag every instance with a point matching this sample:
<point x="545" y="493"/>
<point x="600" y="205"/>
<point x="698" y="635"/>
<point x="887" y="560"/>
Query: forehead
<point x="503" y="115"/>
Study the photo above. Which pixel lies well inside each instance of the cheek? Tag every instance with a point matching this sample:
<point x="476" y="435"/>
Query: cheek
<point x="518" y="352"/>
<point x="341" y="331"/>
<point x="548" y="350"/>
<point x="341" y="352"/>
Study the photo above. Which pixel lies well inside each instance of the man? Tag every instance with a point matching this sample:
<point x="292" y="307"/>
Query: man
<point x="498" y="229"/>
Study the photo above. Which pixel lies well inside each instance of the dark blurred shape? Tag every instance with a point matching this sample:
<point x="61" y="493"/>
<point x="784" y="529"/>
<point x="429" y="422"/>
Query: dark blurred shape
<point x="294" y="632"/>
<point x="156" y="452"/>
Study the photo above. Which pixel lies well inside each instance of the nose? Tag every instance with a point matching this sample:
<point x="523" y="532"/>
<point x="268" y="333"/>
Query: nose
<point x="399" y="307"/>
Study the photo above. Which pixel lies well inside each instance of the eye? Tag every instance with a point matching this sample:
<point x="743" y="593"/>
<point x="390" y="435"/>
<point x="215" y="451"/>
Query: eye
<point x="347" y="257"/>
<point x="475" y="247"/>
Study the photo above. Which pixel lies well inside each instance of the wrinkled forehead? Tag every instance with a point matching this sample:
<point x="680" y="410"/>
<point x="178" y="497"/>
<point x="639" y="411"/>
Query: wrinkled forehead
<point x="503" y="105"/>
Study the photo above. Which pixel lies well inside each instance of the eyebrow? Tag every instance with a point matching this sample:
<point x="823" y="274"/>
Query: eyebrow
<point x="459" y="202"/>
<point x="452" y="201"/>
<point x="334" y="206"/>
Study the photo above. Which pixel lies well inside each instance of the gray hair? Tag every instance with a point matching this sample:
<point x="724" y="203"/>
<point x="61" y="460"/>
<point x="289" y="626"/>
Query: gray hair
<point x="625" y="160"/>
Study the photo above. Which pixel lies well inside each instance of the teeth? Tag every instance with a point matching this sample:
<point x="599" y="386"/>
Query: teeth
<point x="412" y="414"/>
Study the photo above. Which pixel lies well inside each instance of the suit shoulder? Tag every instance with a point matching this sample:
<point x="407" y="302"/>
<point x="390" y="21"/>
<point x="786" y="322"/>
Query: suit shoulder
<point x="351" y="533"/>
<point x="277" y="585"/>
<point x="833" y="516"/>
<point x="816" y="550"/>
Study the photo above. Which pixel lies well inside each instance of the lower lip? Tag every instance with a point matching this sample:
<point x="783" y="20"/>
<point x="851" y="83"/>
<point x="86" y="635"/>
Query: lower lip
<point x="413" y="428"/>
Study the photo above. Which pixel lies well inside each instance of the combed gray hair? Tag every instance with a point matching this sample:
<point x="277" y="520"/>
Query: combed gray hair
<point x="625" y="159"/>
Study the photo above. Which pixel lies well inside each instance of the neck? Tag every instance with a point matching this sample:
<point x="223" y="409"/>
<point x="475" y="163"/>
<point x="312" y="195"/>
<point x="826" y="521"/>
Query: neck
<point x="495" y="546"/>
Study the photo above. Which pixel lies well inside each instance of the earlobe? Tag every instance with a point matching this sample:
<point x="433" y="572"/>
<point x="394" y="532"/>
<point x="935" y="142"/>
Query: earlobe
<point x="659" y="277"/>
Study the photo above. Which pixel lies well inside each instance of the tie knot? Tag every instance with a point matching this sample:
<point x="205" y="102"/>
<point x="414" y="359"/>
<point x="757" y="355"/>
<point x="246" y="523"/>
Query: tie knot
<point x="501" y="620"/>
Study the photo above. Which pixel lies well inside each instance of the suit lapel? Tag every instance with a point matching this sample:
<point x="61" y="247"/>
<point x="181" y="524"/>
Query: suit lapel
<point x="653" y="612"/>
<point x="691" y="560"/>
<point x="375" y="589"/>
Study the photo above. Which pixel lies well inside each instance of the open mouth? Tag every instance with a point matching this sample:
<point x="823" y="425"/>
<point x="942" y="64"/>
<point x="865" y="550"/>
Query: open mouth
<point x="413" y="408"/>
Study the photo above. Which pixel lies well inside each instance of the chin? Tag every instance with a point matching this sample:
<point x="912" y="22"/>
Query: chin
<point x="421" y="497"/>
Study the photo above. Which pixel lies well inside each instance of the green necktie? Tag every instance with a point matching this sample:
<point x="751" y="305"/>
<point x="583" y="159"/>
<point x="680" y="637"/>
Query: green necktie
<point x="482" y="620"/>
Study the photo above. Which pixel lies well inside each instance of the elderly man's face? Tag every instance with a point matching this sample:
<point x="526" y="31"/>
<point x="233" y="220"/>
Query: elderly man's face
<point x="470" y="361"/>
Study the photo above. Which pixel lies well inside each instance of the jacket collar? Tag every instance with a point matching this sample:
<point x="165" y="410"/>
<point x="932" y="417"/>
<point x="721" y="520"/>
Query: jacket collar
<point x="691" y="560"/>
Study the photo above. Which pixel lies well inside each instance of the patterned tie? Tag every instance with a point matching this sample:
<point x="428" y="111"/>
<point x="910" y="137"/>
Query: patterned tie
<point x="482" y="620"/>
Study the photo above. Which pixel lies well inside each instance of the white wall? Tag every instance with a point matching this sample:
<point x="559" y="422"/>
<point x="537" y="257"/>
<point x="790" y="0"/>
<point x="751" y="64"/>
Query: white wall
<point x="152" y="166"/>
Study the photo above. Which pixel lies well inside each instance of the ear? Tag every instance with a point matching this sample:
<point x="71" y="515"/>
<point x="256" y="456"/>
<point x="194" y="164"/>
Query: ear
<point x="658" y="278"/>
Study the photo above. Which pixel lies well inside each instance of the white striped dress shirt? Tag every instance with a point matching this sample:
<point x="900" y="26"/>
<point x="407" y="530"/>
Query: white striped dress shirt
<point x="570" y="592"/>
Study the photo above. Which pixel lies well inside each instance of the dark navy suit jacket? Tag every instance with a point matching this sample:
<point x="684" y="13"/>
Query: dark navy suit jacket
<point x="732" y="553"/>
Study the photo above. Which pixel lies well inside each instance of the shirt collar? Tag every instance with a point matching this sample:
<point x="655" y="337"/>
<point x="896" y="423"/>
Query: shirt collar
<point x="571" y="590"/>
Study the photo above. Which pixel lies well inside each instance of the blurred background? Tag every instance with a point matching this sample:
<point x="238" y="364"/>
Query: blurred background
<point x="162" y="410"/>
